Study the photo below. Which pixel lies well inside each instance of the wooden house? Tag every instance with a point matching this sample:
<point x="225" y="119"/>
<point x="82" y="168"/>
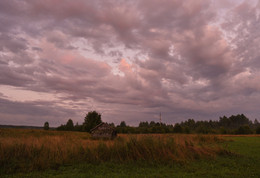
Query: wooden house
<point x="103" y="130"/>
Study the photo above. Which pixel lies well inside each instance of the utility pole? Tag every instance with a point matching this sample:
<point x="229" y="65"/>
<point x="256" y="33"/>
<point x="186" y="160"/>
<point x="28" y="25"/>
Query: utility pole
<point x="160" y="119"/>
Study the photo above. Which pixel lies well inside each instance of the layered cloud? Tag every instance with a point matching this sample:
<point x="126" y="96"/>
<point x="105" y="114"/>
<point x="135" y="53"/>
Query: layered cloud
<point x="128" y="60"/>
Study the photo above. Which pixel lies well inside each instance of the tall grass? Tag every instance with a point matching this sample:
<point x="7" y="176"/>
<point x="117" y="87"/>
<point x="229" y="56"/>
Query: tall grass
<point x="26" y="150"/>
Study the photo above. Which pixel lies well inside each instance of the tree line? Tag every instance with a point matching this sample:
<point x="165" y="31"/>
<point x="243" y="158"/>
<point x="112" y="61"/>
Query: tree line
<point x="235" y="124"/>
<point x="91" y="120"/>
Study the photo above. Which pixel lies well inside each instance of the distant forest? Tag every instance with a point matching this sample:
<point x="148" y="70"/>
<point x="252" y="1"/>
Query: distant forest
<point x="238" y="124"/>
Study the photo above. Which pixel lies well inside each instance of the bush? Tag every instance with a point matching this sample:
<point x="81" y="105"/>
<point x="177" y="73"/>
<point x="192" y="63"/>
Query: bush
<point x="244" y="130"/>
<point x="202" y="130"/>
<point x="177" y="128"/>
<point x="258" y="130"/>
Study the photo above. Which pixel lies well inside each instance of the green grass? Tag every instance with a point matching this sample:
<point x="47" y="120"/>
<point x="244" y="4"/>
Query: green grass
<point x="244" y="163"/>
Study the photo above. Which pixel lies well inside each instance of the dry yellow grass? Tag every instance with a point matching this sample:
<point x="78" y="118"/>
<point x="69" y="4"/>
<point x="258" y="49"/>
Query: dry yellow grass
<point x="37" y="149"/>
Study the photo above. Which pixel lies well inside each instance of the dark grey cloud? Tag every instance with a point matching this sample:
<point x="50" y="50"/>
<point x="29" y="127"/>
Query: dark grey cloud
<point x="33" y="113"/>
<point x="130" y="59"/>
<point x="12" y="44"/>
<point x="9" y="77"/>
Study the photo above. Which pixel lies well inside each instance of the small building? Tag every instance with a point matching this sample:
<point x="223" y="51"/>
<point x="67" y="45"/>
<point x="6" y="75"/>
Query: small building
<point x="103" y="130"/>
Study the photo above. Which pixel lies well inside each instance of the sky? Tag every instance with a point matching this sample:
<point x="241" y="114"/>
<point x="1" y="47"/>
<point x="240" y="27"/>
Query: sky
<point x="128" y="60"/>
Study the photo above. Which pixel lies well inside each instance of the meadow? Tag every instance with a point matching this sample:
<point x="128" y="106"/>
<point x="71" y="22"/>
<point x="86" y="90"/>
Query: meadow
<point x="28" y="152"/>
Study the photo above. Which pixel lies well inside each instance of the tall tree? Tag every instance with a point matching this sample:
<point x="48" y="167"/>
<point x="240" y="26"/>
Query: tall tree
<point x="92" y="119"/>
<point x="122" y="124"/>
<point x="46" y="126"/>
<point x="70" y="125"/>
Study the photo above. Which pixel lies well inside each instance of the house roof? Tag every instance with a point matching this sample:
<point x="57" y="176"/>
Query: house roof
<point x="102" y="123"/>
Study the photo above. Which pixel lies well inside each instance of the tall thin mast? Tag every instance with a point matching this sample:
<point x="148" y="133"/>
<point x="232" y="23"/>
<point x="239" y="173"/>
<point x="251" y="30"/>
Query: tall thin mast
<point x="160" y="118"/>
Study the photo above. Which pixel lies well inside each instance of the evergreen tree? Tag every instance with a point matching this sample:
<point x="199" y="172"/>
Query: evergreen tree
<point x="70" y="126"/>
<point x="46" y="126"/>
<point x="122" y="124"/>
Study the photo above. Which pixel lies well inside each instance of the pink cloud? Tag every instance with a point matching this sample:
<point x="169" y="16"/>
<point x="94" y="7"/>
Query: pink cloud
<point x="75" y="49"/>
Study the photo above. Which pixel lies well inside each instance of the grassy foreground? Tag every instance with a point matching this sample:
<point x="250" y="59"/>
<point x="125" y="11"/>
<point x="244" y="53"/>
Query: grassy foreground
<point x="32" y="153"/>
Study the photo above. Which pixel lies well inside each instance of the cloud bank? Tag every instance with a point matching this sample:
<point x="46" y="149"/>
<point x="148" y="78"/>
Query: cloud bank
<point x="128" y="60"/>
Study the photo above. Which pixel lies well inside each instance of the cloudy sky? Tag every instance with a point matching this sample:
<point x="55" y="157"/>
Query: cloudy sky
<point x="129" y="60"/>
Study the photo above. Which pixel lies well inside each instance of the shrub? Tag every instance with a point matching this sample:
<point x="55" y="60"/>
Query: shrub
<point x="244" y="130"/>
<point x="258" y="130"/>
<point x="177" y="128"/>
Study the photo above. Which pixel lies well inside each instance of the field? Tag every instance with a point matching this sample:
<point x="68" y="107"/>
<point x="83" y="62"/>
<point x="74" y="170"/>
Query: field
<point x="31" y="153"/>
